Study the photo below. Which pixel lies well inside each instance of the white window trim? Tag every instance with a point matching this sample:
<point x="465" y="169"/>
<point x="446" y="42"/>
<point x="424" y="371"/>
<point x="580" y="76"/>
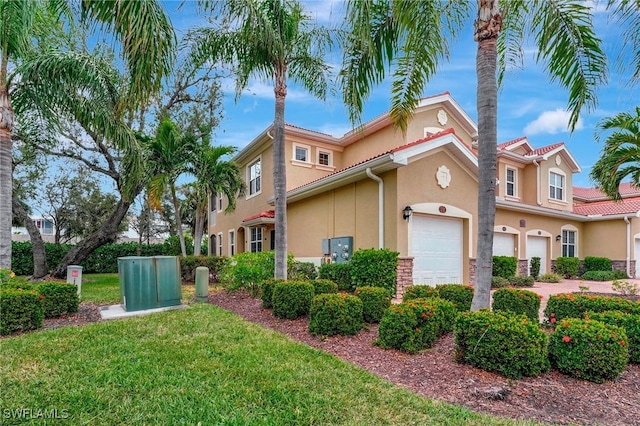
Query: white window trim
<point x="301" y="146"/>
<point x="219" y="203"/>
<point x="220" y="244"/>
<point x="564" y="185"/>
<point x="515" y="182"/>
<point x="258" y="159"/>
<point x="251" y="240"/>
<point x="575" y="243"/>
<point x="232" y="242"/>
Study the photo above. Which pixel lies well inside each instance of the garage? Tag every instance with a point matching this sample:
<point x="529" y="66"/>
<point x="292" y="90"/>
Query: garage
<point x="436" y="246"/>
<point x="537" y="247"/>
<point x="503" y="244"/>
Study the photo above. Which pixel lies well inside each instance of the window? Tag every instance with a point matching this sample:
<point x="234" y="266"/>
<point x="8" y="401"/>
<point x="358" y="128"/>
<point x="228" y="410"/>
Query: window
<point x="256" y="239"/>
<point x="568" y="243"/>
<point x="232" y="243"/>
<point x="302" y="154"/>
<point x="212" y="202"/>
<point x="254" y="177"/>
<point x="324" y="158"/>
<point x="219" y="244"/>
<point x="556" y="186"/>
<point x="220" y="202"/>
<point x="511" y="182"/>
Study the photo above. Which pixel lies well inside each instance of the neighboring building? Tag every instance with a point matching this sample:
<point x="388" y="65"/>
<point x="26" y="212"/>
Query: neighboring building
<point x="45" y="226"/>
<point x="417" y="194"/>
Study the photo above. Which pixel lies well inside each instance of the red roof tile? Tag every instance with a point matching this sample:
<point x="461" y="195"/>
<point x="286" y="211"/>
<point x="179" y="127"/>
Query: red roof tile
<point x="625" y="189"/>
<point x="544" y="149"/>
<point x="269" y="214"/>
<point x="606" y="208"/>
<point x="504" y="145"/>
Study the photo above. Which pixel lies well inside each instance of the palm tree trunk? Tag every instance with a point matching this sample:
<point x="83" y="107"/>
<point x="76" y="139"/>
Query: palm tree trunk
<point x="488" y="27"/>
<point x="280" y="177"/>
<point x="103" y="235"/>
<point x="176" y="209"/>
<point x="37" y="245"/>
<point x="6" y="182"/>
<point x="198" y="229"/>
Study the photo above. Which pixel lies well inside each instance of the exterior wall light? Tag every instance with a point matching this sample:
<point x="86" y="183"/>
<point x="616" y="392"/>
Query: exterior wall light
<point x="558" y="237"/>
<point x="407" y="212"/>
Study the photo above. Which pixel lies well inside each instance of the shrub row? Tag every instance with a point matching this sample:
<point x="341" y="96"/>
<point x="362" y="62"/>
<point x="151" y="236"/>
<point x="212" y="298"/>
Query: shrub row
<point x="21" y="310"/>
<point x="58" y="298"/>
<point x="570" y="305"/>
<point x="522" y="302"/>
<point x="339" y="273"/>
<point x="460" y="295"/>
<point x="592" y="263"/>
<point x="375" y="301"/>
<point x="609" y="275"/>
<point x="335" y="313"/>
<point x="567" y="266"/>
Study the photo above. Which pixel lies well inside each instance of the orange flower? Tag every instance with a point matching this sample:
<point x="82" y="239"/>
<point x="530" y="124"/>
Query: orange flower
<point x="566" y="339"/>
<point x="622" y="343"/>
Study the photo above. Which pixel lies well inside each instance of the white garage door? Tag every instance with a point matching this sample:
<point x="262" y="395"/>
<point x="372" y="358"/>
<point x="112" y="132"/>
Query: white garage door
<point x="436" y="246"/>
<point x="537" y="247"/>
<point x="637" y="252"/>
<point x="503" y="244"/>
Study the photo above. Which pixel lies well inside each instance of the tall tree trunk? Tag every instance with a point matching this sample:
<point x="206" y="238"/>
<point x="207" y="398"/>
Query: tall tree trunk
<point x="176" y="209"/>
<point x="37" y="245"/>
<point x="198" y="230"/>
<point x="487" y="28"/>
<point x="6" y="179"/>
<point x="280" y="177"/>
<point x="103" y="235"/>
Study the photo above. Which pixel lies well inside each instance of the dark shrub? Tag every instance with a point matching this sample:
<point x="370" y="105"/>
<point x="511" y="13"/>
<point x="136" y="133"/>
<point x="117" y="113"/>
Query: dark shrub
<point x="322" y="286"/>
<point x="499" y="282"/>
<point x="333" y="314"/>
<point x="523" y="302"/>
<point x="375" y="301"/>
<point x="267" y="292"/>
<point x="592" y="263"/>
<point x="292" y="299"/>
<point x="504" y="266"/>
<point x="461" y="295"/>
<point x="567" y="266"/>
<point x="375" y="268"/>
<point x="301" y="271"/>
<point x="522" y="281"/>
<point x="630" y="324"/>
<point x="189" y="264"/>
<point x="550" y="278"/>
<point x="58" y="298"/>
<point x="589" y="350"/>
<point x="339" y="273"/>
<point x="571" y="305"/>
<point x="506" y="343"/>
<point x="21" y="310"/>
<point x="603" y="275"/>
<point x="534" y="268"/>
<point x="417" y="291"/>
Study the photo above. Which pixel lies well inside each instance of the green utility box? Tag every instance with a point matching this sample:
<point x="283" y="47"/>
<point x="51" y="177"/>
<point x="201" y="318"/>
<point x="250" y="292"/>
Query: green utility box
<point x="149" y="282"/>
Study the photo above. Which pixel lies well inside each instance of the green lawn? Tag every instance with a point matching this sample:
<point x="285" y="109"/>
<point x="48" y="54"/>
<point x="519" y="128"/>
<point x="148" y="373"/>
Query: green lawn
<point x="201" y="365"/>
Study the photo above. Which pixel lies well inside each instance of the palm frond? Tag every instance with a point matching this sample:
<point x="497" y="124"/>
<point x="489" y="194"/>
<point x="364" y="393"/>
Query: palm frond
<point x="626" y="13"/>
<point x="512" y="36"/>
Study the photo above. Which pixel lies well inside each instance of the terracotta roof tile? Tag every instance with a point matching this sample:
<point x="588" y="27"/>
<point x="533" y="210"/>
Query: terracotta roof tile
<point x="269" y="214"/>
<point x="504" y="145"/>
<point x="544" y="149"/>
<point x="606" y="208"/>
<point x="625" y="189"/>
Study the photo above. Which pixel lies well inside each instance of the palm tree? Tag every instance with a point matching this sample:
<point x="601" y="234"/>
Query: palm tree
<point x="271" y="40"/>
<point x="147" y="40"/>
<point x="412" y="36"/>
<point x="620" y="157"/>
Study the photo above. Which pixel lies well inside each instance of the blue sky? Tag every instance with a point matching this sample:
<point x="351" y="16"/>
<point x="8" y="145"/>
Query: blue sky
<point x="529" y="105"/>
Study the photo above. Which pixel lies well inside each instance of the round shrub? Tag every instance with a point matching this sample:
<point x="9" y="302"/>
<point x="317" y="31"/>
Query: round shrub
<point x="292" y="299"/>
<point x="522" y="281"/>
<point x="550" y="278"/>
<point x="589" y="350"/>
<point x="499" y="282"/>
<point x="21" y="310"/>
<point x="419" y="292"/>
<point x="339" y="273"/>
<point x="517" y="301"/>
<point x="375" y="301"/>
<point x="375" y="268"/>
<point x="506" y="343"/>
<point x="322" y="286"/>
<point x="58" y="298"/>
<point x="332" y="314"/>
<point x="461" y="295"/>
<point x="630" y="324"/>
<point x="573" y="305"/>
<point x="266" y="293"/>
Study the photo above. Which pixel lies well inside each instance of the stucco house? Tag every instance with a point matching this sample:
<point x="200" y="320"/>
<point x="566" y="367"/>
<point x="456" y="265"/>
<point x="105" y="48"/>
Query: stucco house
<point x="417" y="194"/>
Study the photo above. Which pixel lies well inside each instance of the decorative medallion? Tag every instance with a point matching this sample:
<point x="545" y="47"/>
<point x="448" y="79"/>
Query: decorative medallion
<point x="442" y="117"/>
<point x="558" y="160"/>
<point x="504" y="228"/>
<point x="442" y="209"/>
<point x="443" y="175"/>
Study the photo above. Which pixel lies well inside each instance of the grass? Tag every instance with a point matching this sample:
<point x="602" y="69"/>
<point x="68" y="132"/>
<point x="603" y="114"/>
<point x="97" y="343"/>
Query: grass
<point x="200" y="365"/>
<point x="104" y="289"/>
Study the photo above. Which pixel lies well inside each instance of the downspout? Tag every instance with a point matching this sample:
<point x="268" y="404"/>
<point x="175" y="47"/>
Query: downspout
<point x="538" y="199"/>
<point x="626" y="219"/>
<point x="380" y="206"/>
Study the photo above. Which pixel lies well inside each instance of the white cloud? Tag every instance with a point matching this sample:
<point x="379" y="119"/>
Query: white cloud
<point x="551" y="122"/>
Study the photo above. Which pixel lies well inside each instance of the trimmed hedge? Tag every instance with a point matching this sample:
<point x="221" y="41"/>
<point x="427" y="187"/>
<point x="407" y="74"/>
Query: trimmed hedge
<point x="375" y="301"/>
<point x="603" y="275"/>
<point x="339" y="273"/>
<point x="504" y="266"/>
<point x="375" y="268"/>
<point x="267" y="292"/>
<point x="592" y="263"/>
<point x="573" y="305"/>
<point x="519" y="302"/>
<point x="333" y="313"/>
<point x="292" y="299"/>
<point x="322" y="286"/>
<point x="534" y="268"/>
<point x="589" y="350"/>
<point x="301" y="271"/>
<point x="508" y="344"/>
<point x="630" y="324"/>
<point x="418" y="291"/>
<point x="461" y="295"/>
<point x="567" y="266"/>
<point x="21" y="310"/>
<point x="58" y="298"/>
<point x="499" y="282"/>
<point x="522" y="281"/>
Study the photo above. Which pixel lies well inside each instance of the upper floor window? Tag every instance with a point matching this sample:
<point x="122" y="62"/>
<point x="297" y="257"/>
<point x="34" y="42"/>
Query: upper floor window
<point x="220" y="202"/>
<point x="324" y="158"/>
<point x="254" y="177"/>
<point x="256" y="239"/>
<point x="511" y="182"/>
<point x="212" y="202"/>
<point x="556" y="186"/>
<point x="568" y="243"/>
<point x="302" y="154"/>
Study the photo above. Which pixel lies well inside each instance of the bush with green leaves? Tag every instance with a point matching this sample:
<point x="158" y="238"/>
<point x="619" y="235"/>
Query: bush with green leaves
<point x="461" y="295"/>
<point x="589" y="350"/>
<point x="574" y="305"/>
<point x="375" y="268"/>
<point x="375" y="301"/>
<point x="21" y="310"/>
<point x="504" y="266"/>
<point x="630" y="324"/>
<point x="58" y="298"/>
<point x="266" y="293"/>
<point x="517" y="301"/>
<point x="625" y="287"/>
<point x="301" y="271"/>
<point x="335" y="313"/>
<point x="322" y="286"/>
<point x="567" y="266"/>
<point x="522" y="281"/>
<point x="603" y="275"/>
<point x="592" y="263"/>
<point x="534" y="268"/>
<point x="248" y="271"/>
<point x="499" y="282"/>
<point x="172" y="245"/>
<point x="292" y="299"/>
<point x="339" y="273"/>
<point x="506" y="343"/>
<point x="189" y="264"/>
<point x="419" y="291"/>
<point x="550" y="278"/>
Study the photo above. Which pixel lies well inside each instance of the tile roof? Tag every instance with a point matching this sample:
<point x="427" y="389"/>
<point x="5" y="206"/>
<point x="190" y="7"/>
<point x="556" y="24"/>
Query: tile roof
<point x="504" y="145"/>
<point x="312" y="131"/>
<point x="625" y="189"/>
<point x="544" y="150"/>
<point x="269" y="214"/>
<point x="607" y="208"/>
